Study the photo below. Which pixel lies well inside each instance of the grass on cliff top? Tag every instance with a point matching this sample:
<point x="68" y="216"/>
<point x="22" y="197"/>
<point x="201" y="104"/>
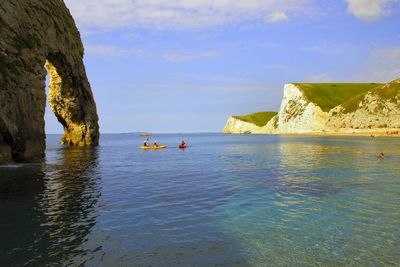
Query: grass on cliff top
<point x="260" y="118"/>
<point x="384" y="92"/>
<point x="329" y="95"/>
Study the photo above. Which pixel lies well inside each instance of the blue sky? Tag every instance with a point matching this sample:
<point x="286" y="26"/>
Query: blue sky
<point x="187" y="65"/>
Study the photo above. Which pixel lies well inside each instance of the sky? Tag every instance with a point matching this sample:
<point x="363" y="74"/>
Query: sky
<point x="173" y="66"/>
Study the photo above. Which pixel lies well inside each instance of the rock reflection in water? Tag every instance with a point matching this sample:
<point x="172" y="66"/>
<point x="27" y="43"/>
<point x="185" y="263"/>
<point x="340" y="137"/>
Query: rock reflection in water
<point x="55" y="210"/>
<point x="300" y="169"/>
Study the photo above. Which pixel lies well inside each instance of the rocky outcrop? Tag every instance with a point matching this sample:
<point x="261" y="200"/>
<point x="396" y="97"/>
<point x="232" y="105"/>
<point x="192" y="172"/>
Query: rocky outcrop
<point x="297" y="114"/>
<point x="237" y="126"/>
<point x="31" y="34"/>
<point x="377" y="110"/>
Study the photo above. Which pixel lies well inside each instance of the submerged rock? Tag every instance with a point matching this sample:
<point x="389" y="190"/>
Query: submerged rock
<point x="34" y="34"/>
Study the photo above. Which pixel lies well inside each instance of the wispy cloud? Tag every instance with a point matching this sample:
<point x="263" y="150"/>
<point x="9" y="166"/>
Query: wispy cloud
<point x="111" y="51"/>
<point x="183" y="56"/>
<point x="331" y="48"/>
<point x="177" y="56"/>
<point x="183" y="14"/>
<point x="370" y="10"/>
<point x="382" y="65"/>
<point x="277" y="17"/>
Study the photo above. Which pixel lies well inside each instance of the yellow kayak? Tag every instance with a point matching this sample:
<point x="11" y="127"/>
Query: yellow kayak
<point x="153" y="147"/>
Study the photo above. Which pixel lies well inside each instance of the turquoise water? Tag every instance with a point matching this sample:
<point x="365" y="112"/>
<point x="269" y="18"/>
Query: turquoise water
<point x="224" y="201"/>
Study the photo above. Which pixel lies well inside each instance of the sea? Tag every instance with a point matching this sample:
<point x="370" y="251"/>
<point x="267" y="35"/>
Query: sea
<point x="226" y="200"/>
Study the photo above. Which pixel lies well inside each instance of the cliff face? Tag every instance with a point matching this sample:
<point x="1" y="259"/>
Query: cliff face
<point x="377" y="110"/>
<point x="31" y="34"/>
<point x="255" y="123"/>
<point x="237" y="126"/>
<point x="297" y="114"/>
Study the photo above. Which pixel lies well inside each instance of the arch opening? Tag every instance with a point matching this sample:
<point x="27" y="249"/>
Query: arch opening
<point x="68" y="101"/>
<point x="47" y="35"/>
<point x="52" y="124"/>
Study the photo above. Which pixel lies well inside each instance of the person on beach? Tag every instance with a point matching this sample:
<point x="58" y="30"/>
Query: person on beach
<point x="381" y="156"/>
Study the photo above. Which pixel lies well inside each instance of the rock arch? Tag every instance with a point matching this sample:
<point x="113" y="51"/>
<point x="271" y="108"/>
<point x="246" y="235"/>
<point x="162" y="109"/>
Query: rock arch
<point x="32" y="34"/>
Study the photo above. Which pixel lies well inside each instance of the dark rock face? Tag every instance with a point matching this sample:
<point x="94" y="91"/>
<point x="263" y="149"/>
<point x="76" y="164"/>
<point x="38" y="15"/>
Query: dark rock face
<point x="34" y="33"/>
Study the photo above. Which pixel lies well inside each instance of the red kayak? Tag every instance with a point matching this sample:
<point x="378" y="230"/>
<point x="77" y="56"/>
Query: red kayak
<point x="182" y="146"/>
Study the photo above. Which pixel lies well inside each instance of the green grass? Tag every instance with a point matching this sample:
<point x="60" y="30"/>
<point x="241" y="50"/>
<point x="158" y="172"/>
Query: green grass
<point x="384" y="92"/>
<point x="329" y="95"/>
<point x="260" y="118"/>
<point x="388" y="91"/>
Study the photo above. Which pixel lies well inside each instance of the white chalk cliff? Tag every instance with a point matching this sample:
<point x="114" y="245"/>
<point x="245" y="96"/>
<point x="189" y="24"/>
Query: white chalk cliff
<point x="297" y="114"/>
<point x="235" y="125"/>
<point x="375" y="111"/>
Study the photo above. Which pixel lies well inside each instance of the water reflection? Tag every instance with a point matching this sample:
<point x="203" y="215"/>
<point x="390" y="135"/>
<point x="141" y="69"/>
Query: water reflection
<point x="48" y="209"/>
<point x="250" y="200"/>
<point x="314" y="201"/>
<point x="301" y="167"/>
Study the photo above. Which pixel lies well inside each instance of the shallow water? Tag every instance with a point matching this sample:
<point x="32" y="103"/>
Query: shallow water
<point x="224" y="201"/>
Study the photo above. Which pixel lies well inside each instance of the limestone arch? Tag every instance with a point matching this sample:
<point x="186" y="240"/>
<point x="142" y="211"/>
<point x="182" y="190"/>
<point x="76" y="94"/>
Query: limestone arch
<point x="31" y="33"/>
<point x="69" y="104"/>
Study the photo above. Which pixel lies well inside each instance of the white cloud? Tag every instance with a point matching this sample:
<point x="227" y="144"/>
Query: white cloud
<point x="277" y="17"/>
<point x="178" y="56"/>
<point x="382" y="65"/>
<point x="369" y="10"/>
<point x="180" y="14"/>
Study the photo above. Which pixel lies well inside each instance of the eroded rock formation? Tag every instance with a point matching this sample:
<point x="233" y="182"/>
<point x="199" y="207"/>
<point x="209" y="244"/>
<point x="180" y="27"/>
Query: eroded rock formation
<point x="297" y="114"/>
<point x="31" y="34"/>
<point x="376" y="111"/>
<point x="237" y="126"/>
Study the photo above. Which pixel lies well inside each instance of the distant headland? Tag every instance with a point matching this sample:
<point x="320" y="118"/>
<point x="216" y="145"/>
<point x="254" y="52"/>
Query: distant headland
<point x="328" y="108"/>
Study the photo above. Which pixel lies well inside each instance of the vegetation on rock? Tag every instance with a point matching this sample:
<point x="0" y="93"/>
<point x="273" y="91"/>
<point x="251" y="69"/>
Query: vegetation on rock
<point x="387" y="92"/>
<point x="259" y="118"/>
<point x="329" y="95"/>
<point x="32" y="33"/>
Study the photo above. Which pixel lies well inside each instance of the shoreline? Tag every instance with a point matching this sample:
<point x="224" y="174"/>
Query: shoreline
<point x="372" y="134"/>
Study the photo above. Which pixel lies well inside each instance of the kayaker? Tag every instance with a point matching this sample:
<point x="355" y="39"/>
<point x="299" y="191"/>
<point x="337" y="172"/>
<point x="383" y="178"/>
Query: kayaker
<point x="183" y="144"/>
<point x="146" y="142"/>
<point x="155" y="144"/>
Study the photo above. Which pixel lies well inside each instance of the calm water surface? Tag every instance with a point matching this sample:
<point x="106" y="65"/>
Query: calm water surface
<point x="224" y="201"/>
